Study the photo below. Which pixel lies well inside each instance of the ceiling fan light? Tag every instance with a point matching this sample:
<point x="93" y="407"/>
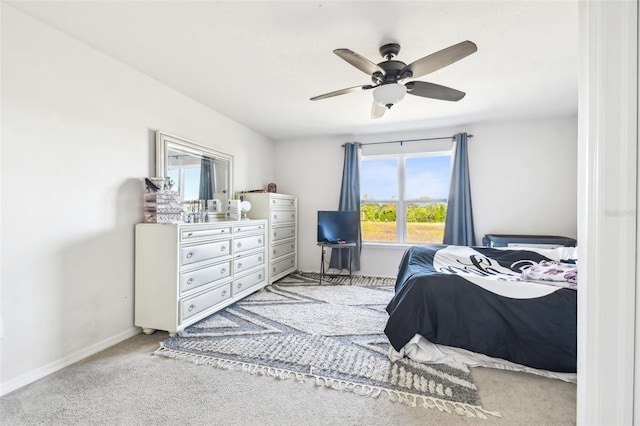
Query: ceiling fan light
<point x="389" y="94"/>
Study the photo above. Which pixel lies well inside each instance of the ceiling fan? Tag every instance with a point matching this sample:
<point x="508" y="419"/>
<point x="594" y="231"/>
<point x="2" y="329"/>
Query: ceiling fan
<point x="387" y="76"/>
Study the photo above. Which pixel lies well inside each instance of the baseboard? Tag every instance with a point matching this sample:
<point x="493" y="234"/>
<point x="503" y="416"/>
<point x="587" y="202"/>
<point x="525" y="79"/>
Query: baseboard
<point x="44" y="371"/>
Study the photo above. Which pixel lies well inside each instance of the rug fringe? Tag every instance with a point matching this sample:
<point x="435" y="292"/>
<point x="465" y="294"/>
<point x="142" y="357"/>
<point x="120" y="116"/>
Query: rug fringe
<point x="406" y="398"/>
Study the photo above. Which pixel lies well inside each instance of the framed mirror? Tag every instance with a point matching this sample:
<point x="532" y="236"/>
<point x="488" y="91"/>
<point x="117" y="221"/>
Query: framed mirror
<point x="198" y="172"/>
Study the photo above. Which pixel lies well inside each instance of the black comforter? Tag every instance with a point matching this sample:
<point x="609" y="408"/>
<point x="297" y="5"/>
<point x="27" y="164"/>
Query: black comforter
<point x="473" y="298"/>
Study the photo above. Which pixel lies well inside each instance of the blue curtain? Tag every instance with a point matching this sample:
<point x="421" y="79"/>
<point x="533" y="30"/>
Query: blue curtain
<point x="207" y="179"/>
<point x="349" y="200"/>
<point x="458" y="228"/>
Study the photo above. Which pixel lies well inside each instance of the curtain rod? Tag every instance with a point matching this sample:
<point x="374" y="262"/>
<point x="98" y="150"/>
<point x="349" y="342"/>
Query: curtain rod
<point x="410" y="140"/>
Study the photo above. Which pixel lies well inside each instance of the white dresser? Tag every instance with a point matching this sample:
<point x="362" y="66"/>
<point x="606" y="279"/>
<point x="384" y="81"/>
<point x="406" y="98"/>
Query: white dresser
<point x="186" y="272"/>
<point x="281" y="210"/>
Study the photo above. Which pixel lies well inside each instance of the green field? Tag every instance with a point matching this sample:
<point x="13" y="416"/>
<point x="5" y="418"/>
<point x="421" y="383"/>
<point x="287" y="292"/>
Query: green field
<point x="416" y="232"/>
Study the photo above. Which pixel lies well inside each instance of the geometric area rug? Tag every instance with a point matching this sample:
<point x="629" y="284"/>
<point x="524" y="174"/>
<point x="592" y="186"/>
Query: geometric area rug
<point x="331" y="335"/>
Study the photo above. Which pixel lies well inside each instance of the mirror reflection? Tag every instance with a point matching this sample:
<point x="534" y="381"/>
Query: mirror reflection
<point x="197" y="177"/>
<point x="199" y="174"/>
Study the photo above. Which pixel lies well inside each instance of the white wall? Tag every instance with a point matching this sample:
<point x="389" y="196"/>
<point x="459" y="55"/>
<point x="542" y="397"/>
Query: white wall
<point x="77" y="139"/>
<point x="523" y="181"/>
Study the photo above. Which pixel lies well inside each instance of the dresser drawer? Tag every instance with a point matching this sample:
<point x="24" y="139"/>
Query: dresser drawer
<point x="248" y="228"/>
<point x="198" y="253"/>
<point x="281" y="232"/>
<point x="282" y="216"/>
<point x="283" y="202"/>
<point x="282" y="249"/>
<point x="248" y="281"/>
<point x="192" y="234"/>
<point x="247" y="262"/>
<point x="195" y="305"/>
<point x="283" y="265"/>
<point x="199" y="277"/>
<point x="201" y="252"/>
<point x="248" y="243"/>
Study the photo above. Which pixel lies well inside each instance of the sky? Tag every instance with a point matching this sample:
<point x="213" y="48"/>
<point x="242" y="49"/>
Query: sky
<point x="426" y="177"/>
<point x="191" y="189"/>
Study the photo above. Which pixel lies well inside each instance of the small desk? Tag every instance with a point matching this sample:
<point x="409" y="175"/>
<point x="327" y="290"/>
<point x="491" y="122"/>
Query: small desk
<point x="324" y="246"/>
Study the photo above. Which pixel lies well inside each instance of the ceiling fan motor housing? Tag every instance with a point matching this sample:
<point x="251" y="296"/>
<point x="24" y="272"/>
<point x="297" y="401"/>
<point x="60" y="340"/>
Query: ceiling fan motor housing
<point x="392" y="70"/>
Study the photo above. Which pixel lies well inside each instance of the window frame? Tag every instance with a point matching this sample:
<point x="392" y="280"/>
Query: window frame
<point x="401" y="203"/>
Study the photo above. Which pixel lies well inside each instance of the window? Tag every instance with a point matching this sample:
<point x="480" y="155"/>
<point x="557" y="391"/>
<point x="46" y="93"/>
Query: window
<point x="404" y="197"/>
<point x="187" y="180"/>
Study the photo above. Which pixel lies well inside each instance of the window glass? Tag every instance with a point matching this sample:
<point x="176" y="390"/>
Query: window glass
<point x="404" y="197"/>
<point x="191" y="183"/>
<point x="378" y="222"/>
<point x="186" y="180"/>
<point x="427" y="178"/>
<point x="379" y="179"/>
<point x="174" y="175"/>
<point x="425" y="222"/>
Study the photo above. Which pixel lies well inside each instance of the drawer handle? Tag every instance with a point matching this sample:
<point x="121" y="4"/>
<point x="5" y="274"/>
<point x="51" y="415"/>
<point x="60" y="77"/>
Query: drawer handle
<point x="259" y="258"/>
<point x="274" y="251"/>
<point x="190" y="234"/>
<point x="260" y="276"/>
<point x="224" y="292"/>
<point x="223" y="248"/>
<point x="222" y="231"/>
<point x="275" y="234"/>
<point x="189" y="255"/>
<point x="273" y="201"/>
<point x="239" y="265"/>
<point x="292" y="231"/>
<point x="259" y="240"/>
<point x="223" y="271"/>
<point x="239" y="285"/>
<point x="190" y="281"/>
<point x="292" y="261"/>
<point x="275" y="216"/>
<point x="274" y="269"/>
<point x="239" y="245"/>
<point x="191" y="307"/>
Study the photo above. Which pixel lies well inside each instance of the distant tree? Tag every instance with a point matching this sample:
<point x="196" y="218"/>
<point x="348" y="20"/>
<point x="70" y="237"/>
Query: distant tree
<point x="426" y="213"/>
<point x="416" y="212"/>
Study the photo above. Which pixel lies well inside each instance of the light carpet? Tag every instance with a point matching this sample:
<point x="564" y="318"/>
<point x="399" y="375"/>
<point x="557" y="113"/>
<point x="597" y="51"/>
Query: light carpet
<point x="331" y="334"/>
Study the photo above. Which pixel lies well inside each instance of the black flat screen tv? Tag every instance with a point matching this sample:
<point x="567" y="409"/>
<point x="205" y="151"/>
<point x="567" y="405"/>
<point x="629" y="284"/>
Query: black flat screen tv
<point x="336" y="227"/>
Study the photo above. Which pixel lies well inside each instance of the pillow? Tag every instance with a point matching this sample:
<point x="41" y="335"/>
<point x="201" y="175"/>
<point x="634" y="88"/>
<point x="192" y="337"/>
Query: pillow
<point x="553" y="273"/>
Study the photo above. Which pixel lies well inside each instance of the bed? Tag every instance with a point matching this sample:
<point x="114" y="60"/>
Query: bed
<point x="506" y="308"/>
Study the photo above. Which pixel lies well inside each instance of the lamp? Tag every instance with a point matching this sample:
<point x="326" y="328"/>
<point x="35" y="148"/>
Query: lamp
<point x="245" y="206"/>
<point x="389" y="94"/>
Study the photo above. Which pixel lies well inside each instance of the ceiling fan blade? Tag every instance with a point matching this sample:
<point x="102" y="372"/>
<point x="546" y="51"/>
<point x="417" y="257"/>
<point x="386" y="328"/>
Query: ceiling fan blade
<point x="438" y="60"/>
<point x="358" y="61"/>
<point x="433" y="91"/>
<point x="342" y="92"/>
<point x="377" y="110"/>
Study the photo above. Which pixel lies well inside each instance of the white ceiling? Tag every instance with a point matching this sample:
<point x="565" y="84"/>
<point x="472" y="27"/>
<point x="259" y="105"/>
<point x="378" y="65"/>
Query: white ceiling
<point x="259" y="62"/>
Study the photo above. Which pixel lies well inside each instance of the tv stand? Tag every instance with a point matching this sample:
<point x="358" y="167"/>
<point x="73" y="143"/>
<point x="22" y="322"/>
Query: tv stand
<point x="340" y="246"/>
